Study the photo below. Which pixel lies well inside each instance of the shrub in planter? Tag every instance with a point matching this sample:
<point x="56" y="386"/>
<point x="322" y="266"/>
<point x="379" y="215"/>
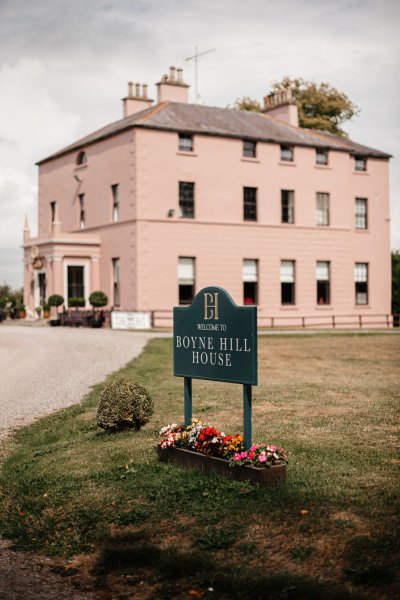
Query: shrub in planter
<point x="54" y="300"/>
<point x="76" y="302"/>
<point x="98" y="299"/>
<point x="124" y="404"/>
<point x="46" y="310"/>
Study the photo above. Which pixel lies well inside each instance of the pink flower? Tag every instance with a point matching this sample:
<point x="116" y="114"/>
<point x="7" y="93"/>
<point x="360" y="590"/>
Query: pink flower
<point x="254" y="447"/>
<point x="243" y="455"/>
<point x="251" y="455"/>
<point x="237" y="457"/>
<point x="262" y="458"/>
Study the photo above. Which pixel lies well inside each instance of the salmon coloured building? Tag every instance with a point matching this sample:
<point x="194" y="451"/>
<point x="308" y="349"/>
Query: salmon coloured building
<point x="175" y="197"/>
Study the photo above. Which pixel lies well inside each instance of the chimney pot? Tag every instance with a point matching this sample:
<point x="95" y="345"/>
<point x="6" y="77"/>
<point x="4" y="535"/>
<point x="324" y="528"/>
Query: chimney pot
<point x="145" y="90"/>
<point x="130" y="89"/>
<point x="172" y="73"/>
<point x="180" y="71"/>
<point x="137" y="90"/>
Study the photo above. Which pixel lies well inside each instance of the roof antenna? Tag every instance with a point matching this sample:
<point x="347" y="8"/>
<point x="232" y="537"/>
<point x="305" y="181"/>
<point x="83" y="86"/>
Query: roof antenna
<point x="196" y="57"/>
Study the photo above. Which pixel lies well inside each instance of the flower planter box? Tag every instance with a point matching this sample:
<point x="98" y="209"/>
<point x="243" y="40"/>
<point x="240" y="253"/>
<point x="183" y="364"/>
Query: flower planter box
<point x="267" y="476"/>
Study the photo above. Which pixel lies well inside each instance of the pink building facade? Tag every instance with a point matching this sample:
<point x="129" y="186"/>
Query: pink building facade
<point x="175" y="197"/>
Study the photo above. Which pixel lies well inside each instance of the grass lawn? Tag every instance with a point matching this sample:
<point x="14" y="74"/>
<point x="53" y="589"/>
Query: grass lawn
<point x="141" y="529"/>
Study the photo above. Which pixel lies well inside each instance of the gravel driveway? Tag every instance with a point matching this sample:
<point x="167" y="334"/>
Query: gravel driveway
<point x="42" y="370"/>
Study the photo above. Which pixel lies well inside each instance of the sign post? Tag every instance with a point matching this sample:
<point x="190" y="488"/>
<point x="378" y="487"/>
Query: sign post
<point x="217" y="340"/>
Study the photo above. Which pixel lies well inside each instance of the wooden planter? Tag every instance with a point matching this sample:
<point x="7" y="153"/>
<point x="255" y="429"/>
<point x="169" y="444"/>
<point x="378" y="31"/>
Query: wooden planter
<point x="267" y="476"/>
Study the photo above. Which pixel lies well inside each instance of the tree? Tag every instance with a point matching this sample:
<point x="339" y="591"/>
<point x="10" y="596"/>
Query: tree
<point x="321" y="106"/>
<point x="247" y="103"/>
<point x="396" y="286"/>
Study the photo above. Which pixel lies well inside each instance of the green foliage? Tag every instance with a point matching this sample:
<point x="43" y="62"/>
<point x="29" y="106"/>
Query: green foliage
<point x="97" y="299"/>
<point x="124" y="404"/>
<point x="321" y="106"/>
<point x="46" y="306"/>
<point x="248" y="104"/>
<point x="9" y="297"/>
<point x="55" y="300"/>
<point x="76" y="302"/>
<point x="396" y="282"/>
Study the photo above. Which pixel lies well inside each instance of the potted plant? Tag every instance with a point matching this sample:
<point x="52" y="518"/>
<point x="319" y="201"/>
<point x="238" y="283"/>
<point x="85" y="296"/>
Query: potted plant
<point x="77" y="302"/>
<point x="97" y="300"/>
<point x="203" y="447"/>
<point x="46" y="310"/>
<point x="20" y="310"/>
<point x="38" y="311"/>
<point x="55" y="301"/>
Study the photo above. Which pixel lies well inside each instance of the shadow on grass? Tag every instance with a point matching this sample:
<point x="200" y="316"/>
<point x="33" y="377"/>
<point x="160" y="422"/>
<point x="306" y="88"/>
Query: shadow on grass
<point x="372" y="561"/>
<point x="176" y="574"/>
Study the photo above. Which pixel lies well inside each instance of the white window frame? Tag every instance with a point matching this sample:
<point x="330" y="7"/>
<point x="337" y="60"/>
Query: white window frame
<point x="86" y="278"/>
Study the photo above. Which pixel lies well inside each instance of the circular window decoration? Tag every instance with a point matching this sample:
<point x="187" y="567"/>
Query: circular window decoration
<point x="81" y="158"/>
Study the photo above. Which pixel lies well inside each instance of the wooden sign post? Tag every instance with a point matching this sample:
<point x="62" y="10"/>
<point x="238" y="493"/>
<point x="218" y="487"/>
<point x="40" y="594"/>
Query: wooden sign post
<point x="216" y="339"/>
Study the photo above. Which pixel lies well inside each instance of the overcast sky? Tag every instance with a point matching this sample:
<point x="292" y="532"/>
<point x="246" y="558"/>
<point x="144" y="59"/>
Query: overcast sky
<point x="64" y="67"/>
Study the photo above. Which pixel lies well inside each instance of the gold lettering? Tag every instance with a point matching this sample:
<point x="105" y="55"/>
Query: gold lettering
<point x="211" y="306"/>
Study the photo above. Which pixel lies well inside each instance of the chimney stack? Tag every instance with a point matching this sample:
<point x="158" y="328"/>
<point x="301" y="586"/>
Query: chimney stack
<point x="282" y="106"/>
<point x="137" y="102"/>
<point x="172" y="88"/>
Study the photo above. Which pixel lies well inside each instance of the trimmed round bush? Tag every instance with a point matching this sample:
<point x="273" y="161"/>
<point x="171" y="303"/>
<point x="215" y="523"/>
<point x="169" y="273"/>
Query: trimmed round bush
<point x="76" y="302"/>
<point x="55" y="300"/>
<point x="98" y="299"/>
<point x="124" y="404"/>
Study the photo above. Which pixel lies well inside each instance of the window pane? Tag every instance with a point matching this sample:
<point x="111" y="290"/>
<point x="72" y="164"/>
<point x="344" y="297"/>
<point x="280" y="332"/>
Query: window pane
<point x="250" y="270"/>
<point x="360" y="163"/>
<point x="82" y="211"/>
<point x="75" y="282"/>
<point x="186" y="293"/>
<point x="361" y="213"/>
<point x="186" y="199"/>
<point x="185" y="142"/>
<point x="287" y="206"/>
<point x="116" y="281"/>
<point x="249" y="149"/>
<point x="53" y="211"/>
<point x="322" y="210"/>
<point x="322" y="272"/>
<point x="287" y="293"/>
<point x="361" y="282"/>
<point x="361" y="272"/>
<point x="186" y="270"/>
<point x="323" y="292"/>
<point x="321" y="157"/>
<point x="286" y="152"/>
<point x="250" y="204"/>
<point x="287" y="271"/>
<point x="115" y="199"/>
<point x="250" y="292"/>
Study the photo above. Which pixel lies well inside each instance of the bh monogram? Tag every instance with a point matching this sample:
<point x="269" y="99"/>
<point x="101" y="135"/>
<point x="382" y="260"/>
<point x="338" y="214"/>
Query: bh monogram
<point x="211" y="306"/>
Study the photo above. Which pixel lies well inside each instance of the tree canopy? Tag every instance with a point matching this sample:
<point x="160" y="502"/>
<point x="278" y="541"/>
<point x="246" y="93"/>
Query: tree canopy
<point x="320" y="105"/>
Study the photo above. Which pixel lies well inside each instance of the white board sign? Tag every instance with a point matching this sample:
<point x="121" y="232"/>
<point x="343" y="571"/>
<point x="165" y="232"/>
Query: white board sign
<point x="125" y="319"/>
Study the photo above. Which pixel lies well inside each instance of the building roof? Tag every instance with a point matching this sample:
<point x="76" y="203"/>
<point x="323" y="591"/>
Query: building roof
<point x="223" y="122"/>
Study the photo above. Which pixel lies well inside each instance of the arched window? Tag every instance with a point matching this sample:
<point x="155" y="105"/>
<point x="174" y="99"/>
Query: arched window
<point x="81" y="159"/>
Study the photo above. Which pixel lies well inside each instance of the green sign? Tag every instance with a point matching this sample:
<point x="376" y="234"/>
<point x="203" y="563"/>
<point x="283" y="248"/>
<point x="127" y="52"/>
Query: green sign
<point x="216" y="339"/>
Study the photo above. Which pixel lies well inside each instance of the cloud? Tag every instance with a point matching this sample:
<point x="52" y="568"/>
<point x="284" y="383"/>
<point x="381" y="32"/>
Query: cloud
<point x="68" y="64"/>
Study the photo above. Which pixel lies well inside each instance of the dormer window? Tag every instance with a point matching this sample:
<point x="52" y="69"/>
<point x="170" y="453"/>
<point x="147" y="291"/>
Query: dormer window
<point x="185" y="142"/>
<point x="360" y="163"/>
<point x="287" y="152"/>
<point x="81" y="159"/>
<point x="249" y="149"/>
<point x="321" y="156"/>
